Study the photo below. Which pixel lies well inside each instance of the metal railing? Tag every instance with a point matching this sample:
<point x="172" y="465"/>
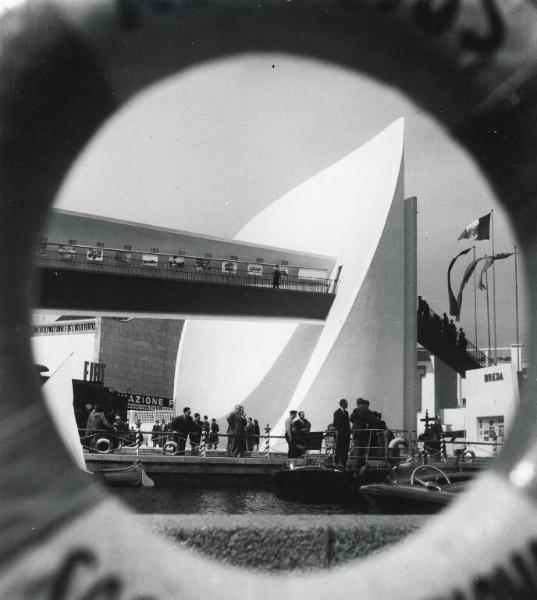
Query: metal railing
<point x="172" y="268"/>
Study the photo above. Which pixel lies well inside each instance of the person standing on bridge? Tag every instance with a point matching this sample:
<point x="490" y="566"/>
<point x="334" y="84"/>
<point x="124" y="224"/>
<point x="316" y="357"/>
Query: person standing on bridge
<point x="276" y="277"/>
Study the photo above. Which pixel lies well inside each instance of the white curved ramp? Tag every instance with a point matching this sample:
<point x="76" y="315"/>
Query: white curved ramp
<point x="342" y="212"/>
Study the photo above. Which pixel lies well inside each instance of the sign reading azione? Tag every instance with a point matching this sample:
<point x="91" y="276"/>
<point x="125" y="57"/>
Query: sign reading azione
<point x="137" y="401"/>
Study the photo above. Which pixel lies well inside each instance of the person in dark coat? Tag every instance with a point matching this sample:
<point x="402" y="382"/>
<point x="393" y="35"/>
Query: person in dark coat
<point x="181" y="427"/>
<point x="276" y="277"/>
<point x="213" y="434"/>
<point x="156" y="433"/>
<point x="362" y="421"/>
<point x="250" y="434"/>
<point x="301" y="427"/>
<point x="343" y="432"/>
<point x="257" y="433"/>
<point x="97" y="422"/>
<point x="195" y="434"/>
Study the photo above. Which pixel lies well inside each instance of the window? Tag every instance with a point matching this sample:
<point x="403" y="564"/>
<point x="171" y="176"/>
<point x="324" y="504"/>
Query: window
<point x="127" y="247"/>
<point x="100" y="244"/>
<point x="181" y="252"/>
<point x="155" y="250"/>
<point x="233" y="257"/>
<point x="260" y="260"/>
<point x="208" y="255"/>
<point x="285" y="262"/>
<point x="71" y="242"/>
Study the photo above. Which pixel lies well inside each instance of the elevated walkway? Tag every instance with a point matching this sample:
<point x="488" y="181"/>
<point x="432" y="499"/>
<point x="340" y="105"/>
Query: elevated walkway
<point x="460" y="358"/>
<point x="104" y="281"/>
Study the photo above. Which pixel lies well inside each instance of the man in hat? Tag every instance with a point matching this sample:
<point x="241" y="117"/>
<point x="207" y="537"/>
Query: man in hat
<point x="343" y="433"/>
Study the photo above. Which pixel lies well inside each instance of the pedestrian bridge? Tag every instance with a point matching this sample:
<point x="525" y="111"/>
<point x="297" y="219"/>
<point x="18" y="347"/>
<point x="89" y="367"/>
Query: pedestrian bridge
<point x="95" y="265"/>
<point x="460" y="358"/>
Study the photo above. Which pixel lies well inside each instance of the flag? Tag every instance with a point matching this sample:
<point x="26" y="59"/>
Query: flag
<point x="488" y="262"/>
<point x="467" y="274"/>
<point x="453" y="304"/>
<point x="477" y="230"/>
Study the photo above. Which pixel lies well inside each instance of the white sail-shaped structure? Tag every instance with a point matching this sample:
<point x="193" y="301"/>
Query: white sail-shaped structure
<point x="354" y="211"/>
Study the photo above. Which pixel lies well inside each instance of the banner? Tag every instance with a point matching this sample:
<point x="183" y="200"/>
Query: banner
<point x="141" y="401"/>
<point x="150" y="260"/>
<point x="453" y="304"/>
<point x="203" y="264"/>
<point x="304" y="273"/>
<point x="66" y="252"/>
<point x="124" y="257"/>
<point x="176" y="262"/>
<point x="255" y="269"/>
<point x="95" y="254"/>
<point x="229" y="267"/>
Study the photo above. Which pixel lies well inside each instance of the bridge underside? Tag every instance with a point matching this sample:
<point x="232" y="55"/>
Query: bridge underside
<point x="98" y="293"/>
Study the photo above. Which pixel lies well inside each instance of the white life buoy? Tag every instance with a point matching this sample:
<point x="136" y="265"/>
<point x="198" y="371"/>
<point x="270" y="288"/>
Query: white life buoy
<point x="103" y="445"/>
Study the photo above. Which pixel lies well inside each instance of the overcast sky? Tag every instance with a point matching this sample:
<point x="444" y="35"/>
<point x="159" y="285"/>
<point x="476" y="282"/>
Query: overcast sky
<point x="206" y="151"/>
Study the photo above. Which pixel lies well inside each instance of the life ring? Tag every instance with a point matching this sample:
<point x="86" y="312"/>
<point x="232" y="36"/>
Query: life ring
<point x="471" y="64"/>
<point x="398" y="442"/>
<point x="468" y="456"/>
<point x="170" y="448"/>
<point x="103" y="445"/>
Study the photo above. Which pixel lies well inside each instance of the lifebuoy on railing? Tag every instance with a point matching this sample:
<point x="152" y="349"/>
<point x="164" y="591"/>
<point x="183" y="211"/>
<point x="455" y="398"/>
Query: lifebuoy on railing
<point x="170" y="448"/>
<point x="103" y="445"/>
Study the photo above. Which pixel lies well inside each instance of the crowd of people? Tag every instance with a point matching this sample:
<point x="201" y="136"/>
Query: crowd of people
<point x="109" y="425"/>
<point x="368" y="429"/>
<point x="445" y="325"/>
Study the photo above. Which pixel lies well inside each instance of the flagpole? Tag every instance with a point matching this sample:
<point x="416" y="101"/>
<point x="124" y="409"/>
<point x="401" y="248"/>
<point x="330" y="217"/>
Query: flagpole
<point x="493" y="285"/>
<point x="516" y="313"/>
<point x="475" y="307"/>
<point x="488" y="316"/>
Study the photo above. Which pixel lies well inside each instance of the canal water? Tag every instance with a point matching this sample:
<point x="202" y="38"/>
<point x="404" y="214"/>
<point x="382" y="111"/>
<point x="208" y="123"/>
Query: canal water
<point x="183" y="500"/>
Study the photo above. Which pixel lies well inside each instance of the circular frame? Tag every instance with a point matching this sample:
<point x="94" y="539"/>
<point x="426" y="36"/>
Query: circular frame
<point x="67" y="65"/>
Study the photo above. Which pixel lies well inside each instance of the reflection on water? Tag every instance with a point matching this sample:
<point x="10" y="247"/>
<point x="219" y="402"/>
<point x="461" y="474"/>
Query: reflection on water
<point x="182" y="500"/>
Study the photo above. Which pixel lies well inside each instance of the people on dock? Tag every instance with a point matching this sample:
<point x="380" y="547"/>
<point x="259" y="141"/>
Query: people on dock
<point x="343" y="431"/>
<point x="181" y="426"/>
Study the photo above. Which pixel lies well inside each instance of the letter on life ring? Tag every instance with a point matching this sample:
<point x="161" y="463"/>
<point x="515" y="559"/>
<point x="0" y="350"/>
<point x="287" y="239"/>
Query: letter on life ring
<point x="66" y="66"/>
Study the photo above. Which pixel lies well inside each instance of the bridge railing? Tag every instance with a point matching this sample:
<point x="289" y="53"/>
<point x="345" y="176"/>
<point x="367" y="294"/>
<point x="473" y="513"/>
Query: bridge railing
<point x="177" y="268"/>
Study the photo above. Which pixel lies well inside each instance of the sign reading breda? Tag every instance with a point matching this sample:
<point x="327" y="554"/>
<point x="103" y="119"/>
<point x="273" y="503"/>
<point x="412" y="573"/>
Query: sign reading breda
<point x="493" y="377"/>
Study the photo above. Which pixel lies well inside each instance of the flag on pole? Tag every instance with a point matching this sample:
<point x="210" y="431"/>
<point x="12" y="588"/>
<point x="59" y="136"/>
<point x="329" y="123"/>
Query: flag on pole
<point x="453" y="304"/>
<point x="488" y="263"/>
<point x="467" y="274"/>
<point x="477" y="230"/>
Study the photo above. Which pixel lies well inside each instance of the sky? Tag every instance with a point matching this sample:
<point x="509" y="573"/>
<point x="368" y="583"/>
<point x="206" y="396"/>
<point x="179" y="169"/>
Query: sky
<point x="207" y="150"/>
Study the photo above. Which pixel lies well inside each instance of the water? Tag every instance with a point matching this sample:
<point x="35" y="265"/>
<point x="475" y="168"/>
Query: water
<point x="183" y="500"/>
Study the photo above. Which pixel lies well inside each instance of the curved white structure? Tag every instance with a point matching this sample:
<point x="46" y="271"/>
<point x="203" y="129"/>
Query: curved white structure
<point x="272" y="367"/>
